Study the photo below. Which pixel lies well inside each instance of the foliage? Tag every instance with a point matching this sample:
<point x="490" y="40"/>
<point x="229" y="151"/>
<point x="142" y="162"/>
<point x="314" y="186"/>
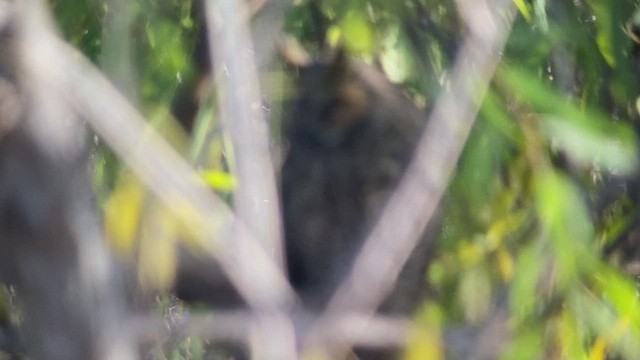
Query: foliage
<point x="544" y="203"/>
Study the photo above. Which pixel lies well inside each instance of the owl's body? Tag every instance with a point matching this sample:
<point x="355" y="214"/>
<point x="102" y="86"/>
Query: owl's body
<point x="351" y="135"/>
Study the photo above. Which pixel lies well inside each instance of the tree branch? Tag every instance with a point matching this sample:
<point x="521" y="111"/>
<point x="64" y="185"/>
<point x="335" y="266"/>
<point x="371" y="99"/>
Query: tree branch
<point x="406" y="215"/>
<point x="167" y="175"/>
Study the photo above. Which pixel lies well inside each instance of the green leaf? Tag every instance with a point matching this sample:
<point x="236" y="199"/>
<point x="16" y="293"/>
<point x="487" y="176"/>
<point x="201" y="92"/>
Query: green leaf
<point x="494" y="112"/>
<point x="621" y="293"/>
<point x="358" y="33"/>
<point x="614" y="332"/>
<point x="604" y="36"/>
<point x="523" y="287"/>
<point x="589" y="143"/>
<point x="570" y="336"/>
<point x="525" y="346"/>
<point x="540" y="10"/>
<point x="565" y="218"/>
<point x="475" y="293"/>
<point x="587" y="136"/>
<point x="523" y="8"/>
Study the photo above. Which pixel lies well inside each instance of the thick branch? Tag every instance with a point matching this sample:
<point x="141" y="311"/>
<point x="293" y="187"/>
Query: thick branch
<point x="407" y="215"/>
<point x="256" y="197"/>
<point x="167" y="175"/>
<point x="50" y="234"/>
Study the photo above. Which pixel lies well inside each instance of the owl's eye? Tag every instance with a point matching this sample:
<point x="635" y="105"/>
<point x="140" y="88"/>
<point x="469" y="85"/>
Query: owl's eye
<point x="327" y="111"/>
<point x="344" y="112"/>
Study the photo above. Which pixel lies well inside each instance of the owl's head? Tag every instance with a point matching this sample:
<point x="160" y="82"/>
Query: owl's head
<point x="329" y="103"/>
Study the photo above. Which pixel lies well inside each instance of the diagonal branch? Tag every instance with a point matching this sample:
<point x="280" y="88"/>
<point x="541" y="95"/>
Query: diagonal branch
<point x="406" y="215"/>
<point x="167" y="175"/>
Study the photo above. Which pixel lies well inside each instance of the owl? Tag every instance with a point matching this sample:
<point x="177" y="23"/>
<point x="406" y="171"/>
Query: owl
<point x="351" y="134"/>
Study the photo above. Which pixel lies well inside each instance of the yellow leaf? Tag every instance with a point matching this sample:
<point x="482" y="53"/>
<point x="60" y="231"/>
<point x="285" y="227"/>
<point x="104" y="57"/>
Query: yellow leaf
<point x="425" y="342"/>
<point x="502" y="228"/>
<point x="474" y="293"/>
<point x="122" y="214"/>
<point x="524" y="10"/>
<point x="505" y="264"/>
<point x="599" y="349"/>
<point x="219" y="180"/>
<point x="334" y="34"/>
<point x="157" y="262"/>
<point x="470" y="253"/>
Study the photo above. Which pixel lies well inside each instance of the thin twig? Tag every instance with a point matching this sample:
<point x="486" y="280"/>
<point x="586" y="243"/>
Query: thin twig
<point x="379" y="331"/>
<point x="266" y="27"/>
<point x="406" y="215"/>
<point x="219" y="326"/>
